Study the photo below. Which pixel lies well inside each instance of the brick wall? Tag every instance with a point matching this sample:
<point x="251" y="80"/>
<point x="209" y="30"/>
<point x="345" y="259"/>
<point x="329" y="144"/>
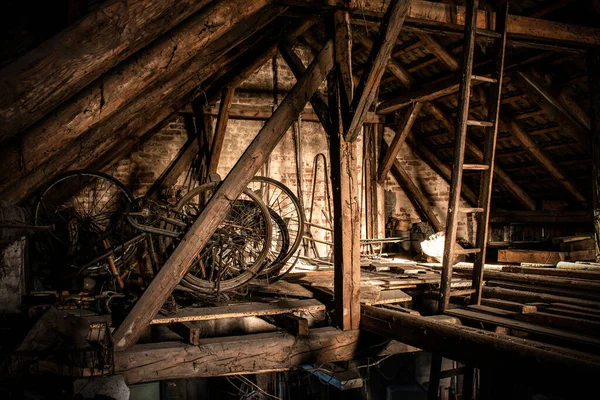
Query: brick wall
<point x="146" y="163"/>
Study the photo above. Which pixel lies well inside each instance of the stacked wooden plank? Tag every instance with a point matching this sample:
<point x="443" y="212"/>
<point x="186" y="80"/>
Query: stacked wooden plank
<point x="554" y="305"/>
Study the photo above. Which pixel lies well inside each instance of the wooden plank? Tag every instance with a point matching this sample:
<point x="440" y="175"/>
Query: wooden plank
<point x="582" y="294"/>
<point x="541" y="280"/>
<point x="542" y="217"/>
<point x="568" y="323"/>
<point x="590" y="275"/>
<point x="524" y="296"/>
<point x="234" y="355"/>
<point x="63" y="65"/>
<point x="253" y="158"/>
<point x="509" y="305"/>
<point x="138" y="117"/>
<point x="101" y="100"/>
<point x="293" y="324"/>
<point x="576" y="307"/>
<point x="530" y="256"/>
<point x="375" y="67"/>
<point x="594" y="82"/>
<point x="566" y="336"/>
<point x="491" y="310"/>
<point x="402" y="131"/>
<point x="240" y="310"/>
<point x="219" y="136"/>
<point x="538" y="361"/>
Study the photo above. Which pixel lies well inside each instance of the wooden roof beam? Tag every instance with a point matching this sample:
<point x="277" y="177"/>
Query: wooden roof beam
<point x="378" y="59"/>
<point x="45" y="77"/>
<point x="518" y="192"/>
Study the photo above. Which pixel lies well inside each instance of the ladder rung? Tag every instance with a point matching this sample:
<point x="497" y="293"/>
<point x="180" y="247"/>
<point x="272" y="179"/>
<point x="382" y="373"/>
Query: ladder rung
<point x="476" y="167"/>
<point x="488" y="33"/>
<point x="481" y="78"/>
<point x="467" y="251"/>
<point x="486" y="124"/>
<point x="471" y="209"/>
<point x="461" y="292"/>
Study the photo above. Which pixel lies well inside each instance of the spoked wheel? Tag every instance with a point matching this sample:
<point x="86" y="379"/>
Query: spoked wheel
<point x="236" y="252"/>
<point x="87" y="211"/>
<point x="281" y="200"/>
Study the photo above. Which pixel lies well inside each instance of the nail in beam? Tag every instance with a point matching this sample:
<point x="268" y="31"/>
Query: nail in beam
<point x="177" y="265"/>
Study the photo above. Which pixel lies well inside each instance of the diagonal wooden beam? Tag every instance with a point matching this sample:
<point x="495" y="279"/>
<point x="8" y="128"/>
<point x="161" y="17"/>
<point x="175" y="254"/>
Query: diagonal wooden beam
<point x="318" y="101"/>
<point x="376" y="63"/>
<point x="536" y="151"/>
<point x="438" y="165"/>
<point x="416" y="197"/>
<point x="219" y="136"/>
<point x="543" y="98"/>
<point x="402" y="131"/>
<point x="439" y="52"/>
<point x="517" y="191"/>
<point x="253" y="158"/>
<point x="393" y="66"/>
<point x="42" y="79"/>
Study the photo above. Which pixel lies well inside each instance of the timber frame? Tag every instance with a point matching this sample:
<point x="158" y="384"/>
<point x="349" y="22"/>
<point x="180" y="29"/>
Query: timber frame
<point x="212" y="63"/>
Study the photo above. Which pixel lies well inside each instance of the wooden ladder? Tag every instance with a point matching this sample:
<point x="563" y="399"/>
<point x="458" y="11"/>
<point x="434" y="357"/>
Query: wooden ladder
<point x="497" y="34"/>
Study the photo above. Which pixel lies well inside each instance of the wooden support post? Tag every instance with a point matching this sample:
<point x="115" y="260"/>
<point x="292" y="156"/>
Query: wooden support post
<point x="219" y="136"/>
<point x="344" y="182"/>
<point x="253" y="158"/>
<point x="518" y="192"/>
<point x="378" y="58"/>
<point x="594" y="76"/>
<point x="402" y="131"/>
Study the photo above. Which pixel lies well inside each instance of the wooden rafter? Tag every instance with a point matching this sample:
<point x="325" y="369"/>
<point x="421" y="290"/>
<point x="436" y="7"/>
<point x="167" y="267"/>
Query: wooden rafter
<point x="219" y="136"/>
<point x="133" y="120"/>
<point x="393" y="66"/>
<point x="177" y="265"/>
<point x="518" y="192"/>
<point x="402" y="131"/>
<point x="376" y="64"/>
<point x="48" y="75"/>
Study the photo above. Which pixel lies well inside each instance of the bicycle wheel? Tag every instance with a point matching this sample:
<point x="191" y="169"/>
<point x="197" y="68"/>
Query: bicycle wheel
<point x="87" y="211"/>
<point x="280" y="199"/>
<point x="236" y="252"/>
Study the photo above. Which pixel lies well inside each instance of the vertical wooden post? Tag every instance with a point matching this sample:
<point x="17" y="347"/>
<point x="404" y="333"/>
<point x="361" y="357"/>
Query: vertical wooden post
<point x="594" y="75"/>
<point x="380" y="192"/>
<point x="344" y="180"/>
<point x="219" y="137"/>
<point x="368" y="182"/>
